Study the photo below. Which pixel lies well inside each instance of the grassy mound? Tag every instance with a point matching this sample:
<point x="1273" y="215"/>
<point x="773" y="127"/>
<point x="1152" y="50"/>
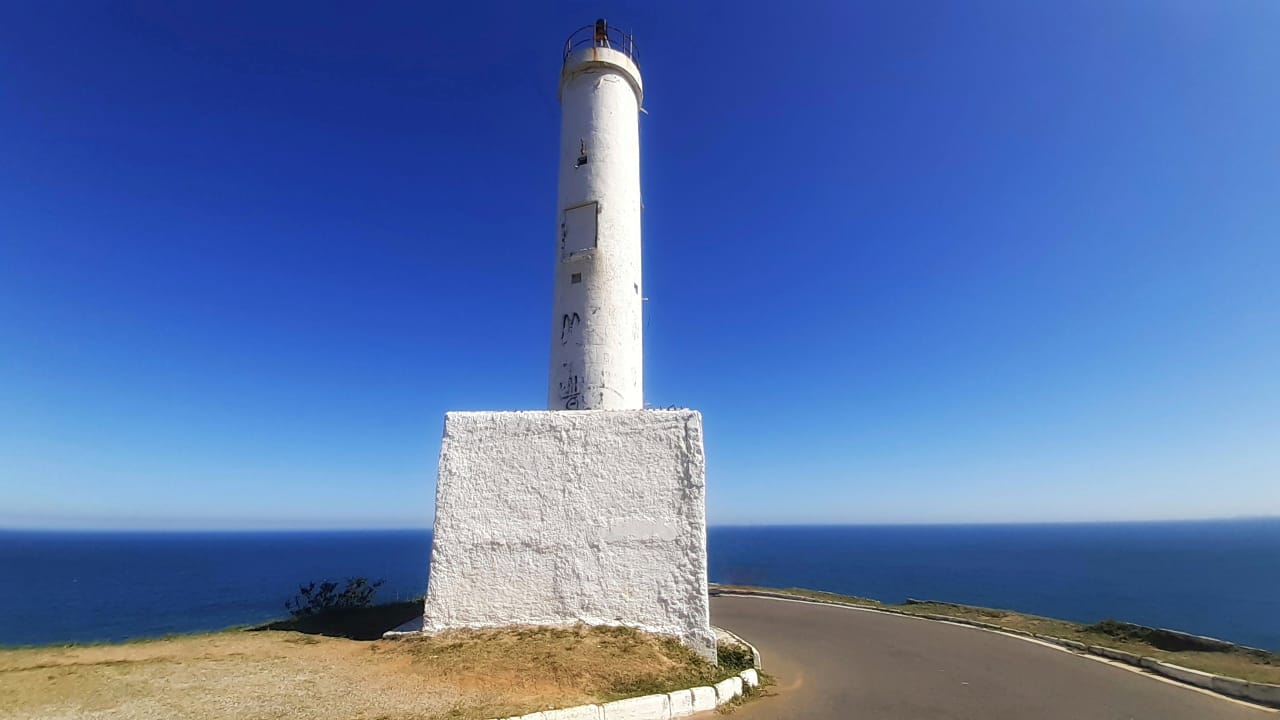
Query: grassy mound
<point x="314" y="668"/>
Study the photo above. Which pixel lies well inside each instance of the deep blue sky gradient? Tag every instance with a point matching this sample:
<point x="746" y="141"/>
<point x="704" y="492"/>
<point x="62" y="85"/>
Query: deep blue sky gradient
<point x="915" y="262"/>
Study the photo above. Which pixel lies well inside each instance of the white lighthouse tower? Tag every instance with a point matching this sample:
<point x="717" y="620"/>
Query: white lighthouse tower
<point x="596" y="346"/>
<point x="598" y="515"/>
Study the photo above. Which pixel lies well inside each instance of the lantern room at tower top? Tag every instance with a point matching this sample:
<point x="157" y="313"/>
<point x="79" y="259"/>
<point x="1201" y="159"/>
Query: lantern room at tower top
<point x="601" y="44"/>
<point x="600" y="34"/>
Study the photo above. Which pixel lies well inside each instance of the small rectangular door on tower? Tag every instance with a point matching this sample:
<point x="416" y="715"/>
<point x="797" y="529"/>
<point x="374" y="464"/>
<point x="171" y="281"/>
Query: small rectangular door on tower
<point x="578" y="230"/>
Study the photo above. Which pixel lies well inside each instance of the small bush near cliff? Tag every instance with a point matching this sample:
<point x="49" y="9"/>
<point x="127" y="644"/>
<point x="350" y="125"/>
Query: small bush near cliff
<point x="734" y="658"/>
<point x="318" y="599"/>
<point x="363" y="623"/>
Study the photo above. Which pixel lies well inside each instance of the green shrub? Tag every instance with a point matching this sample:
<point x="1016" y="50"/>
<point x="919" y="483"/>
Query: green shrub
<point x="318" y="599"/>
<point x="734" y="657"/>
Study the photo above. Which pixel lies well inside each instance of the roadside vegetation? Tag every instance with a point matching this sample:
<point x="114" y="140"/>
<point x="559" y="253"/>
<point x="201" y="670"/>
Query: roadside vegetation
<point x="320" y="608"/>
<point x="1237" y="662"/>
<point x="764" y="689"/>
<point x="325" y="665"/>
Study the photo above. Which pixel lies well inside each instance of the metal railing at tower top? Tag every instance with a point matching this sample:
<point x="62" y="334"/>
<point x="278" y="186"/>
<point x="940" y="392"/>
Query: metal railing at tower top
<point x="600" y="34"/>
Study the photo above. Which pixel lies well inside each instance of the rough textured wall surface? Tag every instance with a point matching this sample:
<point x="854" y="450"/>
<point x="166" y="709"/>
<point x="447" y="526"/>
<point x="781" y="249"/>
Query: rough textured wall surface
<point x="596" y="323"/>
<point x="554" y="518"/>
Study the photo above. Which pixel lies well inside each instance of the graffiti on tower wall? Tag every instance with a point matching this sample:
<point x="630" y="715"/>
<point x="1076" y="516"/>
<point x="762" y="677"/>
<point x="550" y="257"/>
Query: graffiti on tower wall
<point x="569" y="327"/>
<point x="572" y="388"/>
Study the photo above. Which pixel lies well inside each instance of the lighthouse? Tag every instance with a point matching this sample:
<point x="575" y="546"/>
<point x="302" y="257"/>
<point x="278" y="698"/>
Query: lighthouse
<point x="596" y="516"/>
<point x="597" y="318"/>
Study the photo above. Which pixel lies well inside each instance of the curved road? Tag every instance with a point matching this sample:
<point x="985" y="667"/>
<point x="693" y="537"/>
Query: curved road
<point x="840" y="664"/>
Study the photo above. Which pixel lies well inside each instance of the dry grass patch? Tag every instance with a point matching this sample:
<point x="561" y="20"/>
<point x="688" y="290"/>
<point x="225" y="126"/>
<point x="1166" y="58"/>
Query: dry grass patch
<point x="564" y="667"/>
<point x="284" y="674"/>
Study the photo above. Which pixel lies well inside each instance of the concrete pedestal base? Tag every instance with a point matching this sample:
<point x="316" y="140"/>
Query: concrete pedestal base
<point x="556" y="518"/>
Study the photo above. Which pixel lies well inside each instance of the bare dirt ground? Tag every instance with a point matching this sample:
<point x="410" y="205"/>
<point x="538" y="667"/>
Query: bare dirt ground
<point x="285" y="674"/>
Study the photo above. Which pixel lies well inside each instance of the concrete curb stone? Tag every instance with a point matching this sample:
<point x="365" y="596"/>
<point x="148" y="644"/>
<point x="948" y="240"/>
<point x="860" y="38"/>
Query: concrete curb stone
<point x="645" y="707"/>
<point x="750" y="678"/>
<point x="1187" y="675"/>
<point x="681" y="703"/>
<point x="704" y="699"/>
<point x="1229" y="686"/>
<point x="1073" y="644"/>
<point x="726" y="690"/>
<point x="1264" y="693"/>
<point x="1122" y="656"/>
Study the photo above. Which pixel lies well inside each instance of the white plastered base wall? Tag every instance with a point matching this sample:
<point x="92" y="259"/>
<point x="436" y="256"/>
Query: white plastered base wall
<point x="561" y="517"/>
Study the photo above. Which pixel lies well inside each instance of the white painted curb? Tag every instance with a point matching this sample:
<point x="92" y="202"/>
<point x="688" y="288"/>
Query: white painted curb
<point x="678" y="704"/>
<point x="681" y="702"/>
<point x="641" y="708"/>
<point x="728" y="689"/>
<point x="704" y="699"/>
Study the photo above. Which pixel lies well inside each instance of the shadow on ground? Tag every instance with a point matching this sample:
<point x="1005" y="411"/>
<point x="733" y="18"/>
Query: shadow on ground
<point x="355" y="624"/>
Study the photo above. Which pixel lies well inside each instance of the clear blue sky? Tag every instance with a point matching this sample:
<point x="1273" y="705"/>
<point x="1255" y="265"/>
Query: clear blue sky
<point x="915" y="262"/>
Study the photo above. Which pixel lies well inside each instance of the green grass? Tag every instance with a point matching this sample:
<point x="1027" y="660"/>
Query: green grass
<point x="734" y="658"/>
<point x="685" y="669"/>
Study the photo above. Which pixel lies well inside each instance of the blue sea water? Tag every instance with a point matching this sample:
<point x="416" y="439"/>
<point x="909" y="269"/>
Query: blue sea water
<point x="1212" y="578"/>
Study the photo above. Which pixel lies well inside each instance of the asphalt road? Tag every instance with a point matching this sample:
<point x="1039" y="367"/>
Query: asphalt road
<point x="835" y="663"/>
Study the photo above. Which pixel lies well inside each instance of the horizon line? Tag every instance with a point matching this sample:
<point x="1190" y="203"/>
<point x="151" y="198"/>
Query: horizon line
<point x="407" y="528"/>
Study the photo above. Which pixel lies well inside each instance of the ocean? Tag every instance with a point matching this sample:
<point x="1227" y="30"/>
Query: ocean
<point x="1219" y="578"/>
